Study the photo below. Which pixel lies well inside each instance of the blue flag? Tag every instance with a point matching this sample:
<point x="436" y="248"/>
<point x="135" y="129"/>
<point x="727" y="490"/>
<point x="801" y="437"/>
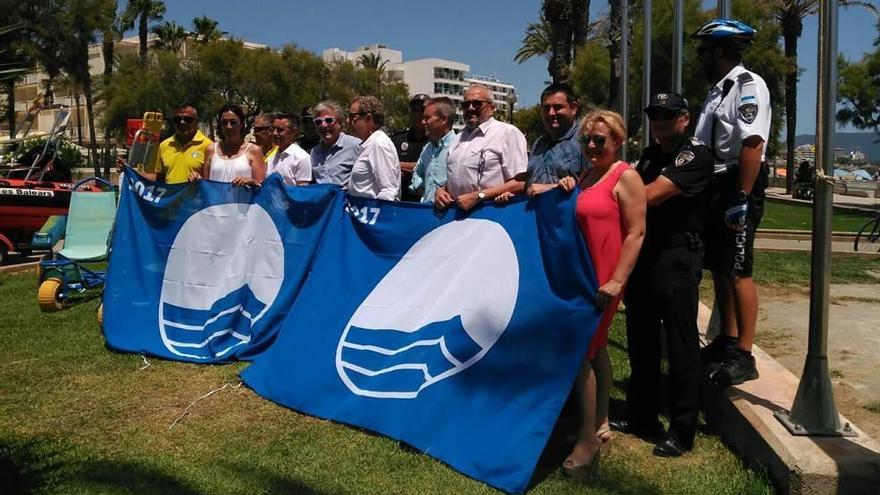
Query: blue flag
<point x="458" y="333"/>
<point x="206" y="272"/>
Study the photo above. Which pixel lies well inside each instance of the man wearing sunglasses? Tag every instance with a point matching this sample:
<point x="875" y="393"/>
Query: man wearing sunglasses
<point x="334" y="155"/>
<point x="263" y="136"/>
<point x="184" y="152"/>
<point x="485" y="158"/>
<point x="663" y="289"/>
<point x="376" y="170"/>
<point x="291" y="161"/>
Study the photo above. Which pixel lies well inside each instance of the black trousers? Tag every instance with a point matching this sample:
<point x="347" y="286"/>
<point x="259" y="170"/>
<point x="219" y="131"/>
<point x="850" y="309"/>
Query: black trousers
<point x="663" y="293"/>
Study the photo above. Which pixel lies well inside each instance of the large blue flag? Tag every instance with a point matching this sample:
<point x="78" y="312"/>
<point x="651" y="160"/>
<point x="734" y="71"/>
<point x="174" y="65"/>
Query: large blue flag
<point x="206" y="272"/>
<point x="458" y="333"/>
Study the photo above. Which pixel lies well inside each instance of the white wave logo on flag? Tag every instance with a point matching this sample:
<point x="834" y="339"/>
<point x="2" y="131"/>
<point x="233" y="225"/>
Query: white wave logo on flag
<point x="224" y="270"/>
<point x="436" y="313"/>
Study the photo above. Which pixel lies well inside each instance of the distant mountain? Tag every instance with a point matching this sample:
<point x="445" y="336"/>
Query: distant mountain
<point x="849" y="141"/>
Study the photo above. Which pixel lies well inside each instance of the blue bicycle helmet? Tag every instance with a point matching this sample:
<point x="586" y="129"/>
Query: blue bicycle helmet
<point x="729" y="31"/>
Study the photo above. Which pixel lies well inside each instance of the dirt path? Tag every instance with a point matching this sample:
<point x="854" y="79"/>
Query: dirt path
<point x="853" y="343"/>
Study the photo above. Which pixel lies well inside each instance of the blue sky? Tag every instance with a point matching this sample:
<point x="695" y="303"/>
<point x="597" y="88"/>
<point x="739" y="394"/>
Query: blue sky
<point x="482" y="33"/>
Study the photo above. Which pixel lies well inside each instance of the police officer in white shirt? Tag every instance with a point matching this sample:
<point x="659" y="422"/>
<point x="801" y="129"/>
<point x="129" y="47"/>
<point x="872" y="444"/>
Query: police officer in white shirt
<point x="484" y="158"/>
<point x="735" y="124"/>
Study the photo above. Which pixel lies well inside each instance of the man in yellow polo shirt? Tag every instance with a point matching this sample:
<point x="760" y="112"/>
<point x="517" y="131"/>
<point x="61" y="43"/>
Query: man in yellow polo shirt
<point x="184" y="152"/>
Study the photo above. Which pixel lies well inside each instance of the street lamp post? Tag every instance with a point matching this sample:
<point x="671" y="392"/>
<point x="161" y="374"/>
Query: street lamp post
<point x="511" y="101"/>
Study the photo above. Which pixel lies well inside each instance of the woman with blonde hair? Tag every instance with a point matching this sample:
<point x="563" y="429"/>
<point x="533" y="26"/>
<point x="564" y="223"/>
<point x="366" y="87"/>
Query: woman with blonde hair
<point x="610" y="211"/>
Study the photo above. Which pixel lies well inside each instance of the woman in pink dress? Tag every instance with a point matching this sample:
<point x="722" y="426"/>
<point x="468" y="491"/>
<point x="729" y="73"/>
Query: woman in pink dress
<point x="611" y="214"/>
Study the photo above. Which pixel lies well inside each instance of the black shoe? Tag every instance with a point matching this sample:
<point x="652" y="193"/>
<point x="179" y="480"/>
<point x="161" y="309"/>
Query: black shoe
<point x="716" y="352"/>
<point x="670" y="447"/>
<point x="646" y="431"/>
<point x="737" y="369"/>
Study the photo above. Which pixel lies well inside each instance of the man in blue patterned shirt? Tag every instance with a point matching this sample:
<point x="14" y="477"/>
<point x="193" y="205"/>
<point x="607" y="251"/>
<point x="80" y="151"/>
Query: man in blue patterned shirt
<point x="430" y="170"/>
<point x="557" y="153"/>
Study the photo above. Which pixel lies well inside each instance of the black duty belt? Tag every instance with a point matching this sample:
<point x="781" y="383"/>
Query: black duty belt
<point x="690" y="239"/>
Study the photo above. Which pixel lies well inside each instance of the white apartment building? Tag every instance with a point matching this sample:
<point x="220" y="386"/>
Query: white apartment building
<point x="431" y="76"/>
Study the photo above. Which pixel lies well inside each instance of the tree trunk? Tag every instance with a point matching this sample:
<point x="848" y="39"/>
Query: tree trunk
<point x="79" y="127"/>
<point x="614" y="54"/>
<point x="142" y="36"/>
<point x="791" y="81"/>
<point x="107" y="52"/>
<point x="93" y="150"/>
<point x="580" y="25"/>
<point x="558" y="15"/>
<point x="10" y="105"/>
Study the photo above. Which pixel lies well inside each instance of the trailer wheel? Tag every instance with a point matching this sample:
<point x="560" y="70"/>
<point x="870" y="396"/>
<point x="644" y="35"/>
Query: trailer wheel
<point x="49" y="295"/>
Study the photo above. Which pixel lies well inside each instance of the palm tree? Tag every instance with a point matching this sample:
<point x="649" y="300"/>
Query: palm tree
<point x="46" y="34"/>
<point x="373" y="62"/>
<point x="558" y="35"/>
<point x="84" y="19"/>
<point x="12" y="65"/>
<point x="536" y="42"/>
<point x="170" y="36"/>
<point x="111" y="32"/>
<point x="142" y="12"/>
<point x="205" y="30"/>
<point x="791" y="14"/>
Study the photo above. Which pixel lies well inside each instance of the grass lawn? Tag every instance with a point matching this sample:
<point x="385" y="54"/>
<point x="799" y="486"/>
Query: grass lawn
<point x="779" y="215"/>
<point x="793" y="268"/>
<point x="77" y="418"/>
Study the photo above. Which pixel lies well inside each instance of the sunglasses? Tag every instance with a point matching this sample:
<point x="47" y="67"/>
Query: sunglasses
<point x="662" y="114"/>
<point x="261" y="128"/>
<point x="477" y="104"/>
<point x="229" y="123"/>
<point x="181" y="119"/>
<point x="352" y="116"/>
<point x="326" y="120"/>
<point x="597" y="140"/>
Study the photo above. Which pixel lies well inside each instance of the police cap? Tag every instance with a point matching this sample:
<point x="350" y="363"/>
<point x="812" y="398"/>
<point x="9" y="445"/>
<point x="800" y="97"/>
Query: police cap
<point x="666" y="102"/>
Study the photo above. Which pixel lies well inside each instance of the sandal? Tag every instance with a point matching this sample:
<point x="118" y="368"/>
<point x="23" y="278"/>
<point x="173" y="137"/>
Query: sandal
<point x="588" y="471"/>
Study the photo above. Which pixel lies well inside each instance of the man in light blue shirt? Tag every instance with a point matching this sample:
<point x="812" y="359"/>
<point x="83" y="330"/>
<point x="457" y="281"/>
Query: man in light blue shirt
<point x="430" y="170"/>
<point x="557" y="153"/>
<point x="333" y="157"/>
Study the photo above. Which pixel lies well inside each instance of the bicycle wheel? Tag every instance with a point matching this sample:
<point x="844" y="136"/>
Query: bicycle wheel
<point x="868" y="237"/>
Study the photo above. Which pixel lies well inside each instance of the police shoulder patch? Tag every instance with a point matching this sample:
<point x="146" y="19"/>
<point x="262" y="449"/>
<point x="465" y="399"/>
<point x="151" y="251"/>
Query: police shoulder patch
<point x="684" y="157"/>
<point x="745" y="77"/>
<point x="748" y="112"/>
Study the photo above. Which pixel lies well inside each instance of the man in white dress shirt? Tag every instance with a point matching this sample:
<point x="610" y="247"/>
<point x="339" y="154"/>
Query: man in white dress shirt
<point x="484" y="158"/>
<point x="376" y="171"/>
<point x="291" y="161"/>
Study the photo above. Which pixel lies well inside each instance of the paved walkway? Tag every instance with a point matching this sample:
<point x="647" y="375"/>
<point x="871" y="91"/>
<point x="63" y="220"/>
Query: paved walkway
<point x="840" y="200"/>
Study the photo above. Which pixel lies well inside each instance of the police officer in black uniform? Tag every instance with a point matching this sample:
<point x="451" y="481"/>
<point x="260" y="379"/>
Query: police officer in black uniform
<point x="662" y="290"/>
<point x="409" y="143"/>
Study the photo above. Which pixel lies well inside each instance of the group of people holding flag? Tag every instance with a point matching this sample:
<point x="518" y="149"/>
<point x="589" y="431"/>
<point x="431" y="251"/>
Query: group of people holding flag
<point x="650" y="229"/>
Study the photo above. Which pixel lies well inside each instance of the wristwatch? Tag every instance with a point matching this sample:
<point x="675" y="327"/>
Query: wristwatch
<point x="741" y="196"/>
<point x="481" y="195"/>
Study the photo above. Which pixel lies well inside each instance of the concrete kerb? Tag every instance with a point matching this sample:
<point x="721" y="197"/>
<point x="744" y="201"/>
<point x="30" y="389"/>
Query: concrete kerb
<point x="798" y="465"/>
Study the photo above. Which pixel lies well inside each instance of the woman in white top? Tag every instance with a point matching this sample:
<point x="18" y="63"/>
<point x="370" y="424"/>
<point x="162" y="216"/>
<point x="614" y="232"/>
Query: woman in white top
<point x="232" y="159"/>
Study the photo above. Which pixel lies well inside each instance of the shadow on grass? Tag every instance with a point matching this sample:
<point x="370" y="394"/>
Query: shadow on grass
<point x="39" y="465"/>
